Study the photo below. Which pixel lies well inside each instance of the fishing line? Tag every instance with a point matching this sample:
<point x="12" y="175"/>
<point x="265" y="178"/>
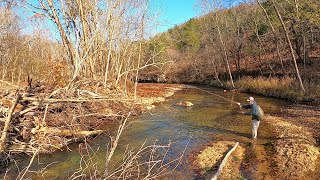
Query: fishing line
<point x="215" y="95"/>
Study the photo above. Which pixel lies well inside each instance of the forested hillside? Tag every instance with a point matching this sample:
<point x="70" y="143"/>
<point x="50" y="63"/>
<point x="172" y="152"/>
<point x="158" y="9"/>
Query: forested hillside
<point x="267" y="47"/>
<point x="68" y="72"/>
<point x="69" y="87"/>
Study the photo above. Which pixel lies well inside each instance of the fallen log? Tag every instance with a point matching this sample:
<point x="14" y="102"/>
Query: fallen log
<point x="224" y="161"/>
<point x="65" y="132"/>
<point x="7" y="124"/>
<point x="46" y="100"/>
<point x="8" y="83"/>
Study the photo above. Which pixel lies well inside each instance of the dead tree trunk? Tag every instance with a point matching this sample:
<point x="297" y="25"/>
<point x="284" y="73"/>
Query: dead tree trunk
<point x="290" y="45"/>
<point x="7" y="124"/>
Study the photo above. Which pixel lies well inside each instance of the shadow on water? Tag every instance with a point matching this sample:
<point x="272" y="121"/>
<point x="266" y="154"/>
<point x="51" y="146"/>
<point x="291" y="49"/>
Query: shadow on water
<point x="210" y="119"/>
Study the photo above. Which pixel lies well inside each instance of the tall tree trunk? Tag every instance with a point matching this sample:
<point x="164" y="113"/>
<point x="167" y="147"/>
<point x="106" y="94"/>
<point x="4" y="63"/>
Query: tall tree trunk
<point x="139" y="56"/>
<point x="110" y="36"/>
<point x="84" y="30"/>
<point x="224" y="52"/>
<point x="216" y="73"/>
<point x="63" y="35"/>
<point x="296" y="40"/>
<point x="304" y="53"/>
<point x="239" y="57"/>
<point x="278" y="40"/>
<point x="240" y="45"/>
<point x="290" y="45"/>
<point x="214" y="55"/>
<point x="281" y="60"/>
<point x="268" y="65"/>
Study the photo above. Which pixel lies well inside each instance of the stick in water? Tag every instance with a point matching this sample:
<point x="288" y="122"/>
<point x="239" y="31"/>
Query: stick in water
<point x="224" y="161"/>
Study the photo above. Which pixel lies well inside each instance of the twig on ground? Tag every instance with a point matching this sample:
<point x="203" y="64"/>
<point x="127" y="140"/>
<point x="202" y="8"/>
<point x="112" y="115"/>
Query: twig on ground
<point x="224" y="161"/>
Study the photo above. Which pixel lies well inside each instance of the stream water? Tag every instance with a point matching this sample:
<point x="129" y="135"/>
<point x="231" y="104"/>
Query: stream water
<point x="211" y="118"/>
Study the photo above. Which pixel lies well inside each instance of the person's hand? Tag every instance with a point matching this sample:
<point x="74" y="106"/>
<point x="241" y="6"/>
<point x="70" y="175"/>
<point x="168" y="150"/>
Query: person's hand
<point x="239" y="104"/>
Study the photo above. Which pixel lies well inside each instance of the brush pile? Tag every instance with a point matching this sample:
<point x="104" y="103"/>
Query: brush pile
<point x="37" y="118"/>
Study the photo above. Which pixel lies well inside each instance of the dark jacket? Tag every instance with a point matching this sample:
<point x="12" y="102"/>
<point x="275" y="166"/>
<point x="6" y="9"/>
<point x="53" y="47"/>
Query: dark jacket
<point x="255" y="110"/>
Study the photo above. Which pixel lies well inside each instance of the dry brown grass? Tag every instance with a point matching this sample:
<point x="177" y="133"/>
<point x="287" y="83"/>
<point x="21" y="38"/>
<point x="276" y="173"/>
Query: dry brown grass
<point x="296" y="150"/>
<point x="287" y="88"/>
<point x="208" y="160"/>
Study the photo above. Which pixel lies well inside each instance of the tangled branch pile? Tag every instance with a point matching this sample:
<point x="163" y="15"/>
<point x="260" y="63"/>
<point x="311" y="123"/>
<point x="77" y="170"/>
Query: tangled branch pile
<point x="46" y="120"/>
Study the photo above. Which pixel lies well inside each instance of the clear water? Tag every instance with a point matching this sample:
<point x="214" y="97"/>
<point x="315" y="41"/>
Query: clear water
<point x="211" y="118"/>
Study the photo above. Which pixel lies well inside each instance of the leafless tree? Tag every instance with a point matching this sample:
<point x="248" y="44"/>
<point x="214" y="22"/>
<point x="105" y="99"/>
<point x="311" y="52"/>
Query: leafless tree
<point x="289" y="43"/>
<point x="212" y="7"/>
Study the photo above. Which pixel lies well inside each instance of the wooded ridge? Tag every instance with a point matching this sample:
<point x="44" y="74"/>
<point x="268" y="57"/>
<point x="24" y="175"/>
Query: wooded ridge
<point x="274" y="43"/>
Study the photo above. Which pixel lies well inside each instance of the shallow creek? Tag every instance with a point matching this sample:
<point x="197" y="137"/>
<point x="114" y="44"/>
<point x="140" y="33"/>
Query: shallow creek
<point x="210" y="119"/>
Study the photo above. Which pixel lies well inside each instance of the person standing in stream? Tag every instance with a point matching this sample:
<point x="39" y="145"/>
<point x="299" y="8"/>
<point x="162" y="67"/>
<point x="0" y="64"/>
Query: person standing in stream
<point x="256" y="112"/>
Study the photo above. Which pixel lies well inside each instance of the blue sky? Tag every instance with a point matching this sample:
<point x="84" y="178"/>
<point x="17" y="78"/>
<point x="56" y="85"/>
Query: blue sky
<point x="175" y="12"/>
<point x="170" y="13"/>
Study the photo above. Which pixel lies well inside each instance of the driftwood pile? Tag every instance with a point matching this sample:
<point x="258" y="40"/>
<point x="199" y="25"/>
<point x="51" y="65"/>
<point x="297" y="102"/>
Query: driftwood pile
<point x="35" y="119"/>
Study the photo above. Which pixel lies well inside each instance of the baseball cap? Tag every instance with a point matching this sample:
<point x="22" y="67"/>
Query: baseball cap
<point x="250" y="99"/>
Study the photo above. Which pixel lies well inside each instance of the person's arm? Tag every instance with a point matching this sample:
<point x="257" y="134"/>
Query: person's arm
<point x="246" y="106"/>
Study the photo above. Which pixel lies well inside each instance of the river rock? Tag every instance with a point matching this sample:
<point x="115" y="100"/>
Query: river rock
<point x="185" y="104"/>
<point x="150" y="107"/>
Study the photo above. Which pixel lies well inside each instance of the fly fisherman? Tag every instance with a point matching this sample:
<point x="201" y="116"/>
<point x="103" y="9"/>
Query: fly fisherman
<point x="256" y="112"/>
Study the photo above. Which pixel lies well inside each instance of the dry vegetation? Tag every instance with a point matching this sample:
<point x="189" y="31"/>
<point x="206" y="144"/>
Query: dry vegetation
<point x="296" y="150"/>
<point x="265" y="47"/>
<point x="292" y="154"/>
<point x="68" y="69"/>
<point x="88" y="77"/>
<point x="44" y="122"/>
<point x="285" y="88"/>
<point x="208" y="160"/>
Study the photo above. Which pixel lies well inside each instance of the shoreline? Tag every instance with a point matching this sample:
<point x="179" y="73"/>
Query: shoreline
<point x="152" y="93"/>
<point x="64" y="122"/>
<point x="287" y="127"/>
<point x="275" y="90"/>
<point x="293" y="150"/>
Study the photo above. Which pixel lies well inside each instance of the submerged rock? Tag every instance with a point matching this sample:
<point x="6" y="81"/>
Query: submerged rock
<point x="5" y="159"/>
<point x="185" y="104"/>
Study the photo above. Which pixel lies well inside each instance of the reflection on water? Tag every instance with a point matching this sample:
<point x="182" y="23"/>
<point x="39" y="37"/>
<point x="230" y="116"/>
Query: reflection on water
<point x="210" y="118"/>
